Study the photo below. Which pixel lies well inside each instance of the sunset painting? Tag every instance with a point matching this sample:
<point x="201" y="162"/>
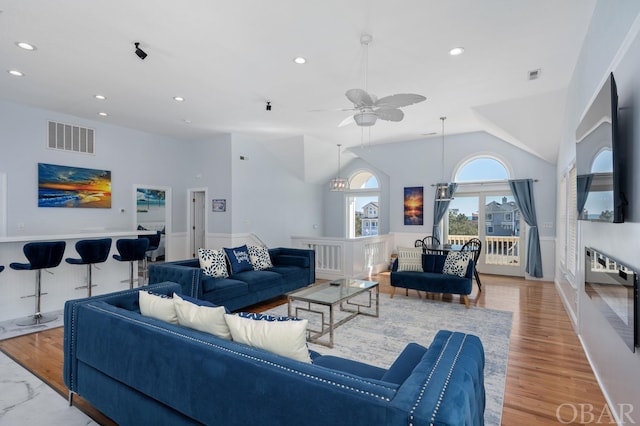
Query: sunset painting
<point x="413" y="205"/>
<point x="62" y="186"/>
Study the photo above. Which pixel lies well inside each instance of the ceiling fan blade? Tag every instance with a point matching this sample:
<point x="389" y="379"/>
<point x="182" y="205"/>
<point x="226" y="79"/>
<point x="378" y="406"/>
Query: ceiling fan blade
<point x="330" y="110"/>
<point x="399" y="100"/>
<point x="359" y="97"/>
<point x="389" y="114"/>
<point x="347" y="121"/>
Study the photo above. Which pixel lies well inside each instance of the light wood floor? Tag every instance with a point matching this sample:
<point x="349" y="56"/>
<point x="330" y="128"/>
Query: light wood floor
<point x="547" y="366"/>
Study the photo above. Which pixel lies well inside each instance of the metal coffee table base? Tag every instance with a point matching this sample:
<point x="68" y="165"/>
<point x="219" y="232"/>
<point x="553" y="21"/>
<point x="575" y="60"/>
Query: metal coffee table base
<point x="327" y="327"/>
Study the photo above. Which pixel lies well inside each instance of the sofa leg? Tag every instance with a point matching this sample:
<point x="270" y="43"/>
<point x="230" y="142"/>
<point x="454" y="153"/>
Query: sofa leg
<point x="419" y="295"/>
<point x="393" y="291"/>
<point x="465" y="298"/>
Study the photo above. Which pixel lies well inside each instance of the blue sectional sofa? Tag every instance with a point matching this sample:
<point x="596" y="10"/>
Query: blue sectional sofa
<point x="292" y="269"/>
<point x="431" y="279"/>
<point x="139" y="370"/>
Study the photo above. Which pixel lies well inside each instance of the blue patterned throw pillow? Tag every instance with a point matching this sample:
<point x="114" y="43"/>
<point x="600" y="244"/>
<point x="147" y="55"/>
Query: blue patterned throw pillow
<point x="239" y="259"/>
<point x="213" y="263"/>
<point x="456" y="263"/>
<point x="265" y="317"/>
<point x="260" y="258"/>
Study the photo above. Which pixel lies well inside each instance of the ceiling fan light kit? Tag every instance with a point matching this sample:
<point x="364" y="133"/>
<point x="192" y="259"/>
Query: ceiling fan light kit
<point x="365" y="119"/>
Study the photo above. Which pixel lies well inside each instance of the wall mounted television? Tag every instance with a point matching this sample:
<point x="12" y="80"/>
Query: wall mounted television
<point x="613" y="288"/>
<point x="600" y="159"/>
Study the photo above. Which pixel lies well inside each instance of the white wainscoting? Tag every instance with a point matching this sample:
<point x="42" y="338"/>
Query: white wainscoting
<point x="356" y="257"/>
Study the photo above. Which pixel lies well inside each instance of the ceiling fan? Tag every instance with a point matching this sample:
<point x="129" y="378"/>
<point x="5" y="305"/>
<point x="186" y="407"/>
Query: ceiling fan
<point x="368" y="108"/>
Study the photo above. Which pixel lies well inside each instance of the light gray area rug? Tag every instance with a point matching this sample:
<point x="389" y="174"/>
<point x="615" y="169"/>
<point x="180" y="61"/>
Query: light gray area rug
<point x="378" y="341"/>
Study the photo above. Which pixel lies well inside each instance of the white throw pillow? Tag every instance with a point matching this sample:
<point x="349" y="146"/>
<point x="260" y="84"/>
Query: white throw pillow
<point x="157" y="306"/>
<point x="259" y="256"/>
<point x="410" y="259"/>
<point x="456" y="263"/>
<point x="202" y="318"/>
<point x="213" y="262"/>
<point x="286" y="338"/>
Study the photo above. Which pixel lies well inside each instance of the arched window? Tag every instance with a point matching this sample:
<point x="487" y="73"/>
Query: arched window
<point x="603" y="163"/>
<point x="363" y="179"/>
<point x="480" y="169"/>
<point x="363" y="205"/>
<point x="483" y="207"/>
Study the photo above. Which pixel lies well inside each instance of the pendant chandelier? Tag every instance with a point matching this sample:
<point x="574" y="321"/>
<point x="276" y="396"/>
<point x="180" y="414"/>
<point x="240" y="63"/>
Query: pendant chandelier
<point x="338" y="184"/>
<point x="443" y="189"/>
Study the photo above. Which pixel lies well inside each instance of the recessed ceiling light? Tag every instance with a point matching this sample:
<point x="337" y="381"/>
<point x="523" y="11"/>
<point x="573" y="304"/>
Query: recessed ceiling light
<point x="187" y="121"/>
<point x="100" y="97"/>
<point x="16" y="73"/>
<point x="26" y="46"/>
<point x="103" y="114"/>
<point x="300" y="60"/>
<point x="456" y="51"/>
<point x="178" y="98"/>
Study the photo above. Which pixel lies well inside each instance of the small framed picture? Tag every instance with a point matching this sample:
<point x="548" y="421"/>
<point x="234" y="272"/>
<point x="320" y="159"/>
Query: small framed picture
<point x="218" y="205"/>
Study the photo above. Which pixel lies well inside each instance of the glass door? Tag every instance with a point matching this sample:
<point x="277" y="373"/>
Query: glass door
<point x="493" y="218"/>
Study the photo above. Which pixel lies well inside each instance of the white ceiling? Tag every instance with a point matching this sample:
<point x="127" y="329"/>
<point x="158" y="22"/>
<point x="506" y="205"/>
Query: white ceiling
<point x="227" y="58"/>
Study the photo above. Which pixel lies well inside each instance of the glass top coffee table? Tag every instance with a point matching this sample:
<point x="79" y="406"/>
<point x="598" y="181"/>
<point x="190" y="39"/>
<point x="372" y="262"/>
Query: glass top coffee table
<point x="338" y="293"/>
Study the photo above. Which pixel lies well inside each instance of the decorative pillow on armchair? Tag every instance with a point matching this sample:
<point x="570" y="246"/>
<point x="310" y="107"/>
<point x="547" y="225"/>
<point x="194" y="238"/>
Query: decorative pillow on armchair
<point x="239" y="259"/>
<point x="259" y="256"/>
<point x="456" y="263"/>
<point x="409" y="259"/>
<point x="213" y="263"/>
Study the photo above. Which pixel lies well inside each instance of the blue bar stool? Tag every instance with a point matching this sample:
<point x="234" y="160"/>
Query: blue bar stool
<point x="91" y="252"/>
<point x="154" y="243"/>
<point x="41" y="256"/>
<point x="131" y="250"/>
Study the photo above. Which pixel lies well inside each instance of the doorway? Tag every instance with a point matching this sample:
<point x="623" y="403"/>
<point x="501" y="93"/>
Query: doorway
<point x="153" y="213"/>
<point x="197" y="219"/>
<point x="493" y="218"/>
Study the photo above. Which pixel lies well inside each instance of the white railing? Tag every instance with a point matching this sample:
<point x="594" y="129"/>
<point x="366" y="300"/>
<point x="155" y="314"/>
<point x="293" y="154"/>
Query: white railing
<point x="496" y="250"/>
<point x="349" y="257"/>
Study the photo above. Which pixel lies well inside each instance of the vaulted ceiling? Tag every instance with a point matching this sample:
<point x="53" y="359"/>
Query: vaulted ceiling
<point x="228" y="58"/>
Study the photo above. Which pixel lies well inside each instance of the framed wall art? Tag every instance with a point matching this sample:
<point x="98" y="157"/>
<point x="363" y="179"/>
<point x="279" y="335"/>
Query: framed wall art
<point x="414" y="205"/>
<point x="73" y="187"/>
<point x="218" y="206"/>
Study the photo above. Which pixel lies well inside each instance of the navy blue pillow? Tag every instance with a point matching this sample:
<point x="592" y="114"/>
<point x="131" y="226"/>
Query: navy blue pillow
<point x="239" y="259"/>
<point x="265" y="317"/>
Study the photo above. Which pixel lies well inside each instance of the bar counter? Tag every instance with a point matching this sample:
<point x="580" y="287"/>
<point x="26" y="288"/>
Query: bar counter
<point x="60" y="285"/>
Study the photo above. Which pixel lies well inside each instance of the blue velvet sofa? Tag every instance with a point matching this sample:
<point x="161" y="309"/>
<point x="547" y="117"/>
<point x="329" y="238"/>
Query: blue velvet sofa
<point x="432" y="280"/>
<point x="292" y="269"/>
<point x="138" y="370"/>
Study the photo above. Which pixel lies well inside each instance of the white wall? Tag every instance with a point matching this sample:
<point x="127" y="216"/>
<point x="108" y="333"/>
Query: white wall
<point x="131" y="156"/>
<point x="419" y="163"/>
<point x="612" y="44"/>
<point x="270" y="197"/>
<point x="266" y="194"/>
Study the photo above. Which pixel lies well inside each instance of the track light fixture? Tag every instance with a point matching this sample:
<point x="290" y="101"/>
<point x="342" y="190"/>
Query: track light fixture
<point x="141" y="53"/>
<point x="268" y="106"/>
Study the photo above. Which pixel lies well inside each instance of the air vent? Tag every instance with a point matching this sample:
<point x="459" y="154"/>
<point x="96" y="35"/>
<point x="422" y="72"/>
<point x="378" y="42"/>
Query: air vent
<point x="535" y="74"/>
<point x="67" y="137"/>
